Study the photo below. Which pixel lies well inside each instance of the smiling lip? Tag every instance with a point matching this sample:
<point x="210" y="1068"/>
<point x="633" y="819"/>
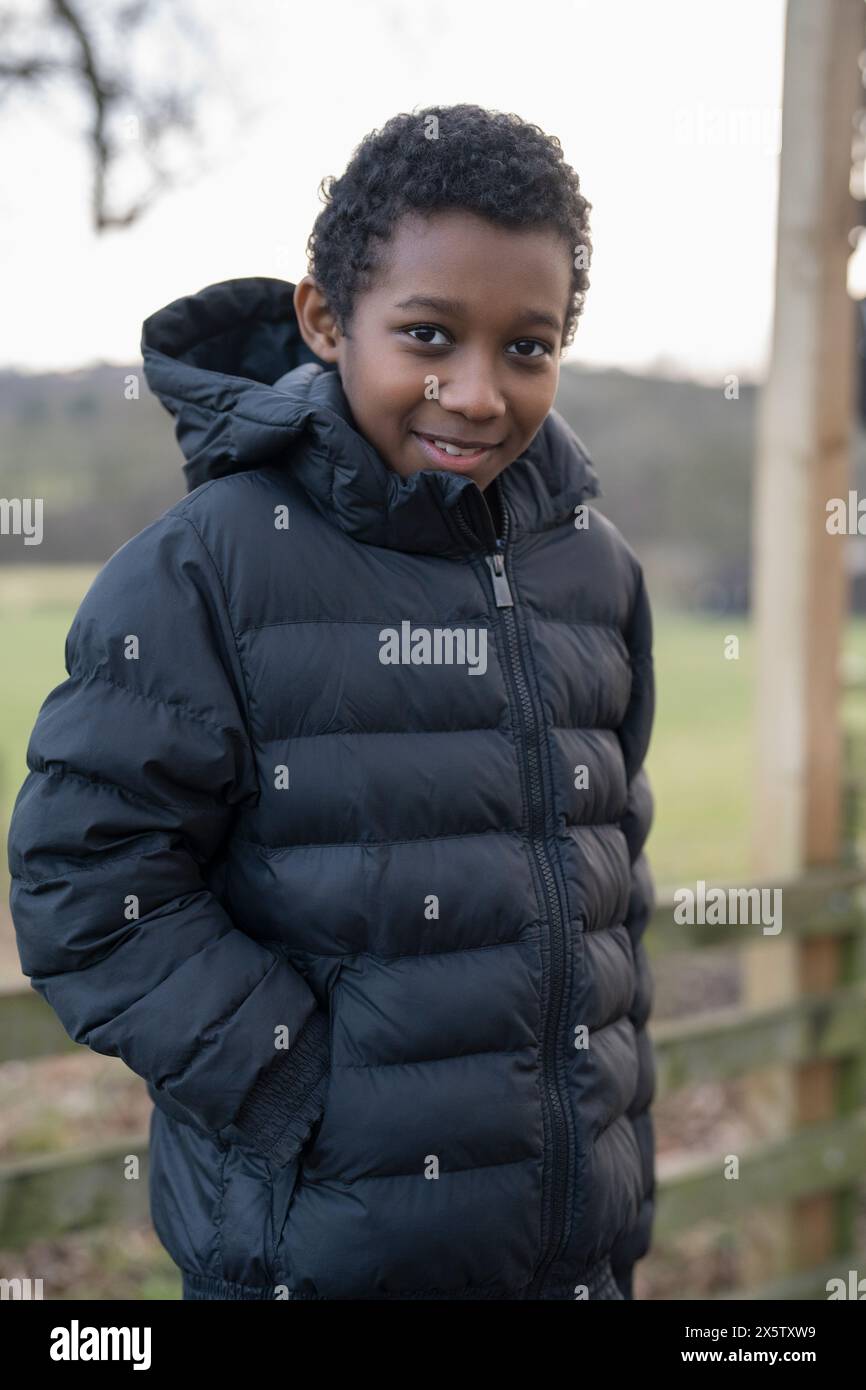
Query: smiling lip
<point x="457" y="463"/>
<point x="459" y="443"/>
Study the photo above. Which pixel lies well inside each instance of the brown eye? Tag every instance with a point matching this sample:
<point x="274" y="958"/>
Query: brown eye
<point x="531" y="342"/>
<point x="426" y="328"/>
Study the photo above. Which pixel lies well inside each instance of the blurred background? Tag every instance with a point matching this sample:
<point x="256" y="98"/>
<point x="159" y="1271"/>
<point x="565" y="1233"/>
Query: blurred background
<point x="152" y="147"/>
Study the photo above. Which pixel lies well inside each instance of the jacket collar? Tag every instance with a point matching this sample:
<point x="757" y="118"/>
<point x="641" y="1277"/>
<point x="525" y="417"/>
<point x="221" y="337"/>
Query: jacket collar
<point x="230" y="365"/>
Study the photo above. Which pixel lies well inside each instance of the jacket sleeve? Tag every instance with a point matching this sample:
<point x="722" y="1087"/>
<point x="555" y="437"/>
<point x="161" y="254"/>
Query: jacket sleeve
<point x="137" y="765"/>
<point x="634" y="733"/>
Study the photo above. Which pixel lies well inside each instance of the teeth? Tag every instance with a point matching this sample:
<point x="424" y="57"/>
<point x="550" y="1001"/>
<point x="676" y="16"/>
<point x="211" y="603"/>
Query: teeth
<point x="452" y="449"/>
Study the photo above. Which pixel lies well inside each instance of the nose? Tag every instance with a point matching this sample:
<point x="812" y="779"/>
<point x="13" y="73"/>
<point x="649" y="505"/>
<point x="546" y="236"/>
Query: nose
<point x="472" y="389"/>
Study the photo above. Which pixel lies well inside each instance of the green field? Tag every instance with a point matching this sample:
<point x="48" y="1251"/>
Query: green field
<point x="698" y="764"/>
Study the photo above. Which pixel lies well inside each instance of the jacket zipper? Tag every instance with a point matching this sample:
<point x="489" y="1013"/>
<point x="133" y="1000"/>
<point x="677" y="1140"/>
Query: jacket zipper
<point x="557" y="1190"/>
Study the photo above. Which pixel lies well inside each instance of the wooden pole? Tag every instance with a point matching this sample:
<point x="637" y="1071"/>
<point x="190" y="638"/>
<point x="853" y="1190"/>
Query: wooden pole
<point x="799" y="586"/>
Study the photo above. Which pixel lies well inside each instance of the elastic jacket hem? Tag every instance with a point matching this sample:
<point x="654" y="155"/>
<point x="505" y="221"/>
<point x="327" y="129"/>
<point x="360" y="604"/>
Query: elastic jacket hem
<point x="599" y="1282"/>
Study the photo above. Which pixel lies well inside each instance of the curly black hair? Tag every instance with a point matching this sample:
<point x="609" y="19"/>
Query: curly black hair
<point x="488" y="162"/>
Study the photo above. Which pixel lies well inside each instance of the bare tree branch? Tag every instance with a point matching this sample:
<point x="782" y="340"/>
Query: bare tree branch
<point x="160" y="113"/>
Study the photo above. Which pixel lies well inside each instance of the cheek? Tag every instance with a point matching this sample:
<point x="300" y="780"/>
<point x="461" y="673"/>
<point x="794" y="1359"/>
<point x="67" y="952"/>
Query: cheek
<point x="365" y="389"/>
<point x="399" y="393"/>
<point x="533" y="401"/>
<point x="544" y="392"/>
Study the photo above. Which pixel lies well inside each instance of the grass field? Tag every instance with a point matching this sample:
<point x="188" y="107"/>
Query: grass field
<point x="699" y="761"/>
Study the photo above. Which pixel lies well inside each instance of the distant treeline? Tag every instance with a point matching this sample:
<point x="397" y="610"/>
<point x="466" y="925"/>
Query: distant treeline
<point x="674" y="459"/>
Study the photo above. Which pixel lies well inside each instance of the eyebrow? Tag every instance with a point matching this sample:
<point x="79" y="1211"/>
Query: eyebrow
<point x="458" y="310"/>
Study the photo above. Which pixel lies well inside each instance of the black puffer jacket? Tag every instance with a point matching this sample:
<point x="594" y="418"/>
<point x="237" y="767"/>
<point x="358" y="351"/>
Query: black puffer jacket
<point x="369" y="926"/>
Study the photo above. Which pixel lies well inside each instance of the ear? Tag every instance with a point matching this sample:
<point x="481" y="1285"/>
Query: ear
<point x="318" y="326"/>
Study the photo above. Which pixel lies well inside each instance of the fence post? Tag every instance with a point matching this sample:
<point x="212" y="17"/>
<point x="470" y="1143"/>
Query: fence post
<point x="802" y="460"/>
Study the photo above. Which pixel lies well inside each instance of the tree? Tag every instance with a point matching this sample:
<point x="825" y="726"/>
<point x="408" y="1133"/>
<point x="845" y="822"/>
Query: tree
<point x="109" y="53"/>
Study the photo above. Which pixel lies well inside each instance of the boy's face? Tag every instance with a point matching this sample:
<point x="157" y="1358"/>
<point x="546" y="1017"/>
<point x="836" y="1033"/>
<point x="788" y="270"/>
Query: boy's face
<point x="492" y="351"/>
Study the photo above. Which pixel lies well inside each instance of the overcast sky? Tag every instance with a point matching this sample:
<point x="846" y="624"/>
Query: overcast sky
<point x="669" y="112"/>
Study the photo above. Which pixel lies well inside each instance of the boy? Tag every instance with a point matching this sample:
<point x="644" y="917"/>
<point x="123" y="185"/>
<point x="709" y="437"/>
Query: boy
<point x="362" y="907"/>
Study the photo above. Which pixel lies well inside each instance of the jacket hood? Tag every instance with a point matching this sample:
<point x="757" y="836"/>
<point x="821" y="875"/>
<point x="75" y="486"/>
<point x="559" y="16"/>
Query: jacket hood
<point x="246" y="392"/>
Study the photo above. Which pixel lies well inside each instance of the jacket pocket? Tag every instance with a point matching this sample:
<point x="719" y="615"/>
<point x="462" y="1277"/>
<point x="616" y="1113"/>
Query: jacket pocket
<point x="333" y="994"/>
<point x="288" y="1181"/>
<point x="284" y="1185"/>
<point x="309" y="1149"/>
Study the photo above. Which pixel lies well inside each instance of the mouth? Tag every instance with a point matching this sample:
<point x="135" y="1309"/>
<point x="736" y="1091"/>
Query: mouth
<point x="452" y="453"/>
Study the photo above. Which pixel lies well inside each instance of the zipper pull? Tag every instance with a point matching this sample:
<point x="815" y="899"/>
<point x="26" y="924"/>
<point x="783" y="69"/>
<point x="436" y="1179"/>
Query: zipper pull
<point x="501" y="590"/>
